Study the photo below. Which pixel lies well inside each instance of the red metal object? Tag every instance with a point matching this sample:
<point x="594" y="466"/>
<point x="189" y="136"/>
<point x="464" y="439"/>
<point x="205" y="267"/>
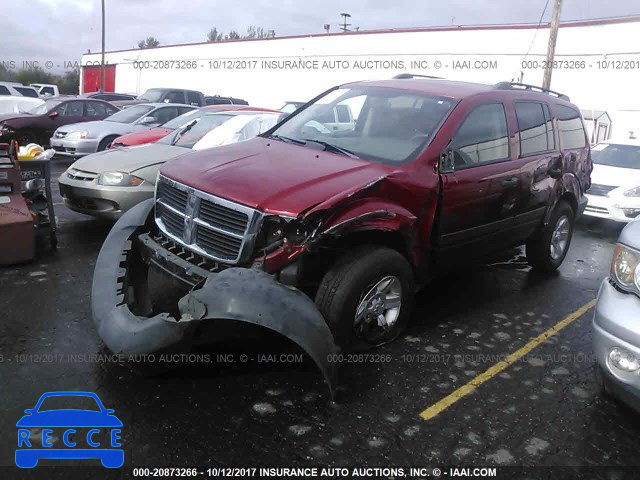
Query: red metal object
<point x="91" y="78"/>
<point x="156" y="133"/>
<point x="17" y="235"/>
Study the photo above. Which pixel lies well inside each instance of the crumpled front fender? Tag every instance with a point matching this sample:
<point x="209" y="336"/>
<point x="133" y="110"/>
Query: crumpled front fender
<point x="241" y="294"/>
<point x="255" y="297"/>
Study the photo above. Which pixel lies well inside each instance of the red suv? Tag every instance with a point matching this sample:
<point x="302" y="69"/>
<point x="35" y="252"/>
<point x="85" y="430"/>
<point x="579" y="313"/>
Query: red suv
<point x="322" y="227"/>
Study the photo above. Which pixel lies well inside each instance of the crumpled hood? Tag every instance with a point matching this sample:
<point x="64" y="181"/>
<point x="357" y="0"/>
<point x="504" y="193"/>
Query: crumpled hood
<point x="273" y="176"/>
<point x="128" y="159"/>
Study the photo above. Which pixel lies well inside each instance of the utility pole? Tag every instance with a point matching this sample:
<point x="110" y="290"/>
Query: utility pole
<point x="102" y="64"/>
<point x="551" y="49"/>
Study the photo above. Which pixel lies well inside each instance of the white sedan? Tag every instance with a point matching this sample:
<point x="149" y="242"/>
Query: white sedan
<point x="615" y="181"/>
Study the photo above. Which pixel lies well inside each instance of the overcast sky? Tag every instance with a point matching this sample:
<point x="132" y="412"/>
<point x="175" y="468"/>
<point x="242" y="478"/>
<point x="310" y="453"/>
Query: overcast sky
<point x="62" y="30"/>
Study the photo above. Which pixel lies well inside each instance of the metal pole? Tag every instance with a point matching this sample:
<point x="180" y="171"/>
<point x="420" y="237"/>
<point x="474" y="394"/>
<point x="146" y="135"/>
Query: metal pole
<point x="551" y="49"/>
<point x="102" y="64"/>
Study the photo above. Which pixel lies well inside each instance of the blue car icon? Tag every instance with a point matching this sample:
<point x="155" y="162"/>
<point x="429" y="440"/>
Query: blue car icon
<point x="59" y="430"/>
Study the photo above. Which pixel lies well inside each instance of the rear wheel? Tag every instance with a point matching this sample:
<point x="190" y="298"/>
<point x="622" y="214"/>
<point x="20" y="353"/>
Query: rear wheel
<point x="366" y="297"/>
<point x="547" y="249"/>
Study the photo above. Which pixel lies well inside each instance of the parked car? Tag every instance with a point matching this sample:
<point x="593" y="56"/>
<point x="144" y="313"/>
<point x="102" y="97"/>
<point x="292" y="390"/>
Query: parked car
<point x="156" y="133"/>
<point x="616" y="333"/>
<point x="15" y="104"/>
<point x="615" y="192"/>
<point x="322" y="235"/>
<point x="17" y="89"/>
<point x="82" y="139"/>
<point x="38" y="124"/>
<point x="167" y="95"/>
<point x="46" y="89"/>
<point x="290" y="107"/>
<point x="109" y="183"/>
<point x="109" y="96"/>
<point x="218" y="100"/>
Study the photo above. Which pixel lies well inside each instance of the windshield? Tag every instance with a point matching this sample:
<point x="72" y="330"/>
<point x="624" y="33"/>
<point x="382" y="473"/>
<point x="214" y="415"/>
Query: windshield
<point x="384" y="125"/>
<point x="44" y="108"/>
<point x="194" y="130"/>
<point x="62" y="402"/>
<point x="616" y="155"/>
<point x="151" y="95"/>
<point x="183" y="119"/>
<point x="130" y="115"/>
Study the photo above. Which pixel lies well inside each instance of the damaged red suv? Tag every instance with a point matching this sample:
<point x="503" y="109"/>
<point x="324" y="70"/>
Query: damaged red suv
<point x="322" y="228"/>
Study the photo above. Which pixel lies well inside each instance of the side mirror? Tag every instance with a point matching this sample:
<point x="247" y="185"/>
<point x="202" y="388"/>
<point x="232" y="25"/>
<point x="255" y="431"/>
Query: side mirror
<point x="148" y="120"/>
<point x="447" y="162"/>
<point x="54" y="114"/>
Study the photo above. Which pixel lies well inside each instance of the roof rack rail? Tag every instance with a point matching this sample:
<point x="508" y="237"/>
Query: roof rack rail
<point x="413" y="75"/>
<point x="526" y="86"/>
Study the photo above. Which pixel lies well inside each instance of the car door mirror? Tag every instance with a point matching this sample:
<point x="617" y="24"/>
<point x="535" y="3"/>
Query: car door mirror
<point x="148" y="120"/>
<point x="54" y="114"/>
<point x="447" y="162"/>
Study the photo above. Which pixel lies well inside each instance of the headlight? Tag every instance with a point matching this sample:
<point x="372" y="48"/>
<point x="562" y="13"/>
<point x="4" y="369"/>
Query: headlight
<point x="625" y="268"/>
<point x="76" y="135"/>
<point x="5" y="128"/>
<point x="120" y="179"/>
<point x="276" y="230"/>
<point x="634" y="192"/>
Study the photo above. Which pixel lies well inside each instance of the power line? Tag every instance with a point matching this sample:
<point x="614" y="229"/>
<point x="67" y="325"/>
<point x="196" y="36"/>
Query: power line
<point x="537" y="29"/>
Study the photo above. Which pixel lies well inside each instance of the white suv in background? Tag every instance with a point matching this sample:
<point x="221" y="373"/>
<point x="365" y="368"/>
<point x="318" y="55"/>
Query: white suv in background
<point x="615" y="181"/>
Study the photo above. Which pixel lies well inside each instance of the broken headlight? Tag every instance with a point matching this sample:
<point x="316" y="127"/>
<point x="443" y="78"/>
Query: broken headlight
<point x="277" y="230"/>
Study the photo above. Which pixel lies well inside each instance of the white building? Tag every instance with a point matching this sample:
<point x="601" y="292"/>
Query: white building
<point x="597" y="63"/>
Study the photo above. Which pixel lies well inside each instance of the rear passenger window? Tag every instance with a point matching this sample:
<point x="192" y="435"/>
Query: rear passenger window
<point x="193" y="98"/>
<point x="534" y="124"/>
<point x="4" y="90"/>
<point x="570" y="128"/>
<point x="482" y="138"/>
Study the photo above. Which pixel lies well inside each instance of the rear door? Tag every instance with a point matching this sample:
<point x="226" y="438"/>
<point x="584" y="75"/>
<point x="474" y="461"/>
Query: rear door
<point x="479" y="192"/>
<point x="540" y="158"/>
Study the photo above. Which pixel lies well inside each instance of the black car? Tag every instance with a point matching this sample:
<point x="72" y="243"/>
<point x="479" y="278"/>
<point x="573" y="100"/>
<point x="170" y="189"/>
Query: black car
<point x="166" y="95"/>
<point x="38" y="124"/>
<point x="109" y="96"/>
<point x="218" y="100"/>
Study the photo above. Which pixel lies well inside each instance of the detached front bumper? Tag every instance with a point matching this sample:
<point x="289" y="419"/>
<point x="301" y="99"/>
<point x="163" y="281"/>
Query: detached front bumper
<point x="241" y="294"/>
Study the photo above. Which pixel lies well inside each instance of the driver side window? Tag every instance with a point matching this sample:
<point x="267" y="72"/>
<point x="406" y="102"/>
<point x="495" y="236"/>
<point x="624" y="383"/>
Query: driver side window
<point x="483" y="137"/>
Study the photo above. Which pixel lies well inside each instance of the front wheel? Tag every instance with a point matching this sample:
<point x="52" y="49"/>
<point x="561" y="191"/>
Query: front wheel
<point x="546" y="251"/>
<point x="105" y="143"/>
<point x="366" y="297"/>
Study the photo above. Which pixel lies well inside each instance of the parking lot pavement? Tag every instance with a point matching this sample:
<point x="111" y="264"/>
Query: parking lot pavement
<point x="543" y="409"/>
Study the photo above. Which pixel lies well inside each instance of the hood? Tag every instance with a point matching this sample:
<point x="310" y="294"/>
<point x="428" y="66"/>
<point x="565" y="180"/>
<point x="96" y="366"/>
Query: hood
<point x="98" y="127"/>
<point x="615" y="176"/>
<point x="144" y="136"/>
<point x="128" y="159"/>
<point x="14" y="116"/>
<point x="273" y="176"/>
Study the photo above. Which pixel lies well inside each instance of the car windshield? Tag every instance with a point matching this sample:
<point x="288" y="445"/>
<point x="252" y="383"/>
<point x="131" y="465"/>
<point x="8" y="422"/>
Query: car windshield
<point x="62" y="402"/>
<point x="183" y="119"/>
<point x="380" y="124"/>
<point x="192" y="131"/>
<point x="130" y="115"/>
<point x="151" y="95"/>
<point x="616" y="155"/>
<point x="44" y="107"/>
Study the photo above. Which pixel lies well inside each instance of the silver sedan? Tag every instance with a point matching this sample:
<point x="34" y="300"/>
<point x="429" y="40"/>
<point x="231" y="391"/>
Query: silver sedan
<point x="107" y="184"/>
<point x="616" y="322"/>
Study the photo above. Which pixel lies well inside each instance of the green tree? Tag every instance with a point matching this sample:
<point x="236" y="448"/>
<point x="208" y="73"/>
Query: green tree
<point x="232" y="35"/>
<point x="256" y="32"/>
<point x="33" y="75"/>
<point x="149" y="42"/>
<point x="214" y="35"/>
<point x="69" y="84"/>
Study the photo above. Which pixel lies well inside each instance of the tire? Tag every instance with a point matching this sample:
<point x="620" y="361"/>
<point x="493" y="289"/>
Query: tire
<point x="104" y="144"/>
<point x="345" y="286"/>
<point x="26" y="137"/>
<point x="548" y="248"/>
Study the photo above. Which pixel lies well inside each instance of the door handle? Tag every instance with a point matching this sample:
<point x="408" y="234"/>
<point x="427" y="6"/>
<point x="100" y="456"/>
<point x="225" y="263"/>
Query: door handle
<point x="510" y="182"/>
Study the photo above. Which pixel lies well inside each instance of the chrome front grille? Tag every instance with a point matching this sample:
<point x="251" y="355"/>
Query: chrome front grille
<point x="210" y="226"/>
<point x="81" y="175"/>
<point x="600" y="190"/>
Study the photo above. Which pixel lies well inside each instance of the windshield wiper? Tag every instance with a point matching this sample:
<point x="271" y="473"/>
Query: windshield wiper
<point x="287" y="139"/>
<point x="183" y="131"/>
<point x="334" y="148"/>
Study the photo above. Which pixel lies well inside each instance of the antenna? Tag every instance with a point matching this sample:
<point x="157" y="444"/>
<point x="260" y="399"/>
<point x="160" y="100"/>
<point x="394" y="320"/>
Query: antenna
<point x="345" y="24"/>
<point x="327" y="27"/>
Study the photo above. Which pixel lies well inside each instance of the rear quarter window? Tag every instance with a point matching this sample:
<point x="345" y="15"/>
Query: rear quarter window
<point x="570" y="128"/>
<point x="535" y="128"/>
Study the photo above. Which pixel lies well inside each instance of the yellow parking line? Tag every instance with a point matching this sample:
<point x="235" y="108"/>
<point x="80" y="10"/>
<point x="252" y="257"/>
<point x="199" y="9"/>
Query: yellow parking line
<point x="466" y="389"/>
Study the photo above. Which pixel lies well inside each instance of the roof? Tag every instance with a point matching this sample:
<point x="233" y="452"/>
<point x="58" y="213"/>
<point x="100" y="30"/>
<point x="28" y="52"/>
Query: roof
<point x="593" y="114"/>
<point x="441" y="88"/>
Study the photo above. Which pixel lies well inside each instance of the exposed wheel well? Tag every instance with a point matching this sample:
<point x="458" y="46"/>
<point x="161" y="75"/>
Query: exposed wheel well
<point x="393" y="240"/>
<point x="570" y="199"/>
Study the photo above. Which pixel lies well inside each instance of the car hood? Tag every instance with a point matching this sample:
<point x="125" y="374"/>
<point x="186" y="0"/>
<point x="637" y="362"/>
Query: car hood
<point x="144" y="136"/>
<point x="14" y="116"/>
<point x="615" y="176"/>
<point x="273" y="176"/>
<point x="98" y="127"/>
<point x="69" y="418"/>
<point x="128" y="159"/>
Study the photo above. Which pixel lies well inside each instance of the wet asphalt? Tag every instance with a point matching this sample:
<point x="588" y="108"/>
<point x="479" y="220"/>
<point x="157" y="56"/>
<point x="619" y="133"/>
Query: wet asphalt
<point x="274" y="408"/>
